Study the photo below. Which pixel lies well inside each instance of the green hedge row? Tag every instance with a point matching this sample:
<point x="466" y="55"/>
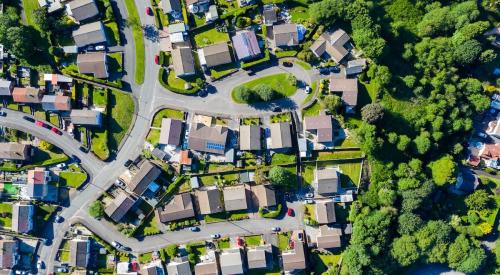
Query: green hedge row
<point x="117" y="84"/>
<point x="271" y="214"/>
<point x="237" y="12"/>
<point x="247" y="65"/>
<point x="163" y="78"/>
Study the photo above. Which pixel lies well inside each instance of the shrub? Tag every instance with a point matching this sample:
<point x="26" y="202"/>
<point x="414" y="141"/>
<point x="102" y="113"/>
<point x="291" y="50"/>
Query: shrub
<point x="163" y="78"/>
<point x="96" y="209"/>
<point x="265" y="92"/>
<point x="271" y="214"/>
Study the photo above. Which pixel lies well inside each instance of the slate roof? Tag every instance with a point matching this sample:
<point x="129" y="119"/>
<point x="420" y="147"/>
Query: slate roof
<point x="180" y="207"/>
<point x="83" y="9"/>
<point x="209" y="201"/>
<point x="328" y="237"/>
<point x="183" y="61"/>
<point x="231" y="262"/>
<point x="265" y="195"/>
<point x="206" y="268"/>
<point x="280" y="135"/>
<point x="22" y="217"/>
<point x="246" y="45"/>
<point x="27" y="95"/>
<point x="8" y="252"/>
<point x="171" y="5"/>
<point x="6" y="87"/>
<point x="259" y="257"/>
<point x="325" y="212"/>
<point x="323" y="126"/>
<point x="250" y="137"/>
<point x="148" y="172"/>
<point x="79" y="253"/>
<point x="348" y="88"/>
<point x="86" y="117"/>
<point x="14" y="151"/>
<point x="93" y="63"/>
<point x="270" y="16"/>
<point x="171" y="131"/>
<point x="214" y="55"/>
<point x="208" y="139"/>
<point x="326" y="180"/>
<point x="175" y="268"/>
<point x="122" y="203"/>
<point x="294" y="260"/>
<point x="89" y="34"/>
<point x="235" y="197"/>
<point x="285" y="35"/>
<point x="332" y="44"/>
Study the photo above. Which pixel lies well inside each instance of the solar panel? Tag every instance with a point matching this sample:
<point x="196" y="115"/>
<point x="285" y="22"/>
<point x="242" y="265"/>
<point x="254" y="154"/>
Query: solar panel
<point x="215" y="146"/>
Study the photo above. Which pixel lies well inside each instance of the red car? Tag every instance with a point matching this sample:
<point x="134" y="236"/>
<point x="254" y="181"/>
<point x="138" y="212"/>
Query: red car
<point x="239" y="241"/>
<point x="39" y="123"/>
<point x="157" y="59"/>
<point x="289" y="212"/>
<point x="149" y="11"/>
<point x="56" y="131"/>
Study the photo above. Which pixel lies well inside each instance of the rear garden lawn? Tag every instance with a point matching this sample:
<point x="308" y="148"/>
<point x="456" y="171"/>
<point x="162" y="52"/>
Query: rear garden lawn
<point x="217" y="168"/>
<point x="283" y="159"/>
<point x="166" y="113"/>
<point x="112" y="33"/>
<point x="348" y="142"/>
<point x="280" y="83"/>
<point x="312" y="110"/>
<point x="29" y="7"/>
<point x="349" y="176"/>
<point x="254" y="240"/>
<point x="284" y="241"/>
<point x="339" y="154"/>
<point x="6" y="222"/>
<point x="209" y="37"/>
<point x="322" y="262"/>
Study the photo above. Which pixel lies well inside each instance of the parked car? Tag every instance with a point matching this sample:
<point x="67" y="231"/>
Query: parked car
<point x="309" y="195"/>
<point x="83" y="149"/>
<point x="39" y="264"/>
<point x="75" y="159"/>
<point x="100" y="48"/>
<point x="116" y="245"/>
<point x="194" y="228"/>
<point x="90" y="48"/>
<point x="482" y="135"/>
<point x="59" y="219"/>
<point x="300" y="236"/>
<point x="239" y="241"/>
<point x="290" y="212"/>
<point x="324" y="71"/>
<point x="61" y="165"/>
<point x="62" y="270"/>
<point x="276" y="109"/>
<point x="157" y="59"/>
<point x="27" y="118"/>
<point x="128" y="163"/>
<point x="56" y="131"/>
<point x="308" y="89"/>
<point x="215" y="236"/>
<point x="309" y="201"/>
<point x="287" y="64"/>
<point x="334" y="69"/>
<point x="2" y="113"/>
<point x="149" y="11"/>
<point x="276" y="229"/>
<point x="39" y="123"/>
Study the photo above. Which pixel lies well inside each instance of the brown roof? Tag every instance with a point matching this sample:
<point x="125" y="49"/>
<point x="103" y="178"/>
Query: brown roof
<point x="280" y="135"/>
<point x="235" y="197"/>
<point x="348" y="88"/>
<point x="294" y="260"/>
<point x="209" y="201"/>
<point x="79" y="253"/>
<point x="180" y="207"/>
<point x="265" y="195"/>
<point x="323" y="126"/>
<point x="332" y="44"/>
<point x="328" y="237"/>
<point x="171" y="130"/>
<point x="27" y="95"/>
<point x="208" y="139"/>
<point x="8" y="253"/>
<point x="217" y="54"/>
<point x="206" y="268"/>
<point x="14" y="151"/>
<point x="250" y="137"/>
<point x="92" y="63"/>
<point x="183" y="61"/>
<point x="56" y="103"/>
<point x="325" y="212"/>
<point x="490" y="151"/>
<point x="148" y="172"/>
<point x="122" y="203"/>
<point x="285" y="35"/>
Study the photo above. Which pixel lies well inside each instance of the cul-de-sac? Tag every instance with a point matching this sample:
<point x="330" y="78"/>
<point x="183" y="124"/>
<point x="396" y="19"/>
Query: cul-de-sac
<point x="207" y="137"/>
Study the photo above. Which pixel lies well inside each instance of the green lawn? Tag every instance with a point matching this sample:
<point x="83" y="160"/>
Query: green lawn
<point x="63" y="256"/>
<point x="145" y="258"/>
<point x="41" y="158"/>
<point x="306" y="66"/>
<point x="223" y="70"/>
<point x="148" y="227"/>
<point x="348" y="142"/>
<point x="166" y="113"/>
<point x="225" y="216"/>
<point x="219" y="167"/>
<point x="100" y="143"/>
<point x="223" y="243"/>
<point x="324" y="261"/>
<point x="312" y="110"/>
<point x="29" y="7"/>
<point x="283" y="241"/>
<point x="72" y="179"/>
<point x="254" y="240"/>
<point x="112" y="33"/>
<point x="250" y="121"/>
<point x="6" y="222"/>
<point x="122" y="112"/>
<point x="100" y="97"/>
<point x="283" y="159"/>
<point x="340" y="154"/>
<point x="209" y="37"/>
<point x="54" y="119"/>
<point x="138" y="41"/>
<point x="283" y="117"/>
<point x="115" y="62"/>
<point x="153" y="136"/>
<point x="288" y="53"/>
<point x="278" y="82"/>
<point x="350" y="175"/>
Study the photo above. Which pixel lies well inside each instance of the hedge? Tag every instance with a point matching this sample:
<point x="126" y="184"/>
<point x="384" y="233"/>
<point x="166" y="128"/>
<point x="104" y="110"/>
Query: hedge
<point x="237" y="12"/>
<point x="118" y="84"/>
<point x="246" y="65"/>
<point x="270" y="214"/>
<point x="163" y="75"/>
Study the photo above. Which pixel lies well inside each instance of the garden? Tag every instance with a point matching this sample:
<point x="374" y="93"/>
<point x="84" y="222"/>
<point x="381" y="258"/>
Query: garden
<point x="265" y="89"/>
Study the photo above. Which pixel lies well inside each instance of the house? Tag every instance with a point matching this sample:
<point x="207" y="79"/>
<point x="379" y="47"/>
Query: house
<point x="348" y="88"/>
<point x="320" y="127"/>
<point x="209" y="264"/>
<point x="281" y="136"/>
<point x="494" y="32"/>
<point x="89" y="34"/>
<point x="333" y="45"/>
<point x="171" y="131"/>
<point x="250" y="137"/>
<point x="54" y="82"/>
<point x="285" y="35"/>
<point x="490" y="154"/>
<point x="329" y="237"/>
<point x="178" y="268"/>
<point x="22" y="217"/>
<point x="177" y="28"/>
<point x="212" y="14"/>
<point x="186" y="160"/>
<point x="325" y="212"/>
<point x="15" y="151"/>
<point x="246" y="45"/>
<point x="493" y="128"/>
<point x="27" y="95"/>
<point x="180" y="207"/>
<point x="235" y="197"/>
<point x="183" y="61"/>
<point x="355" y="66"/>
<point x="6" y="87"/>
<point x="9" y="253"/>
<point x="79" y="253"/>
<point x="197" y="6"/>
<point x="209" y="139"/>
<point x="209" y="200"/>
<point x="171" y="6"/>
<point x="467" y="181"/>
<point x="244" y="3"/>
<point x="295" y="260"/>
<point x="93" y="63"/>
<point x="142" y="179"/>
<point x="56" y="103"/>
<point x="266" y="196"/>
<point x="260" y="257"/>
<point x="37" y="183"/>
<point x="154" y="268"/>
<point x="158" y="153"/>
<point x="81" y="10"/>
<point x="269" y="15"/>
<point x="86" y="117"/>
<point x="326" y="181"/>
<point x="231" y="262"/>
<point x="215" y="55"/>
<point x="120" y="205"/>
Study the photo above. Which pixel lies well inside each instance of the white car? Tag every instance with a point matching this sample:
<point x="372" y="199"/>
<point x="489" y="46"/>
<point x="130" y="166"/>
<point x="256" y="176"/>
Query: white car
<point x="100" y="48"/>
<point x="39" y="264"/>
<point x="215" y="236"/>
<point x="309" y="195"/>
<point x="308" y="89"/>
<point x="308" y="201"/>
<point x="116" y="245"/>
<point x="61" y="165"/>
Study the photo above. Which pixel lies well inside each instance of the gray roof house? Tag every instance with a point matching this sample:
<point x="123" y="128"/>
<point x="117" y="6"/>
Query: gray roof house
<point x="79" y="253"/>
<point x="266" y="196"/>
<point x="208" y="139"/>
<point x="148" y="172"/>
<point x="209" y="201"/>
<point x="179" y="268"/>
<point x="15" y="151"/>
<point x="260" y="257"/>
<point x="355" y="66"/>
<point x="329" y="237"/>
<point x="331" y="44"/>
<point x="120" y="205"/>
<point x="285" y="35"/>
<point x="215" y="55"/>
<point x="6" y="87"/>
<point x="180" y="207"/>
<point x="231" y="262"/>
<point x="56" y="103"/>
<point x="183" y="61"/>
<point x="86" y="117"/>
<point x="320" y="126"/>
<point x="93" y="63"/>
<point x="235" y="197"/>
<point x="281" y="136"/>
<point x="89" y="34"/>
<point x="326" y="181"/>
<point x="294" y="260"/>
<point x="348" y="88"/>
<point x="22" y="217"/>
<point x="169" y="6"/>
<point x="269" y="15"/>
<point x="246" y="45"/>
<point x="207" y="268"/>
<point x="81" y="10"/>
<point x="250" y="137"/>
<point x="171" y="131"/>
<point x="325" y="212"/>
<point x="9" y="253"/>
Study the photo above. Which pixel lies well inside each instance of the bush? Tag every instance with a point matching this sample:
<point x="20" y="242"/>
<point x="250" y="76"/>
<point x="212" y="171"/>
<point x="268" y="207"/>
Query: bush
<point x="248" y="65"/>
<point x="96" y="209"/>
<point x="163" y="78"/>
<point x="270" y="214"/>
<point x="243" y="21"/>
<point x="265" y="92"/>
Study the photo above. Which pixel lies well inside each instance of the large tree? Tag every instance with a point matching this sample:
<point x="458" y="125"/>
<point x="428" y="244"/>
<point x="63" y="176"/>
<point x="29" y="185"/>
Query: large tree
<point x="465" y="256"/>
<point x="443" y="170"/>
<point x="372" y="113"/>
<point x="405" y="250"/>
<point x="281" y="177"/>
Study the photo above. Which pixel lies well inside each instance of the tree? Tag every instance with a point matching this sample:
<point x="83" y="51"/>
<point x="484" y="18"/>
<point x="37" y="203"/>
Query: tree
<point x="245" y="94"/>
<point x="265" y="92"/>
<point x="479" y="200"/>
<point x="356" y="258"/>
<point x="327" y="11"/>
<point x="488" y="56"/>
<point x="96" y="209"/>
<point x="465" y="256"/>
<point x="467" y="52"/>
<point x="409" y="223"/>
<point x="433" y="240"/>
<point x="44" y="145"/>
<point x="372" y="113"/>
<point x="405" y="250"/>
<point x="172" y="250"/>
<point x="331" y="103"/>
<point x="386" y="196"/>
<point x="403" y="143"/>
<point x="380" y="74"/>
<point x="259" y="175"/>
<point x="281" y="176"/>
<point x="422" y="143"/>
<point x="443" y="170"/>
<point x="41" y="19"/>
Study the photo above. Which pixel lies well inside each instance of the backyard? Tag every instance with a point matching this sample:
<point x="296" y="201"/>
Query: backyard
<point x="166" y="113"/>
<point x="349" y="176"/>
<point x="210" y="36"/>
<point x="5" y="215"/>
<point x="73" y="177"/>
<point x="281" y="84"/>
